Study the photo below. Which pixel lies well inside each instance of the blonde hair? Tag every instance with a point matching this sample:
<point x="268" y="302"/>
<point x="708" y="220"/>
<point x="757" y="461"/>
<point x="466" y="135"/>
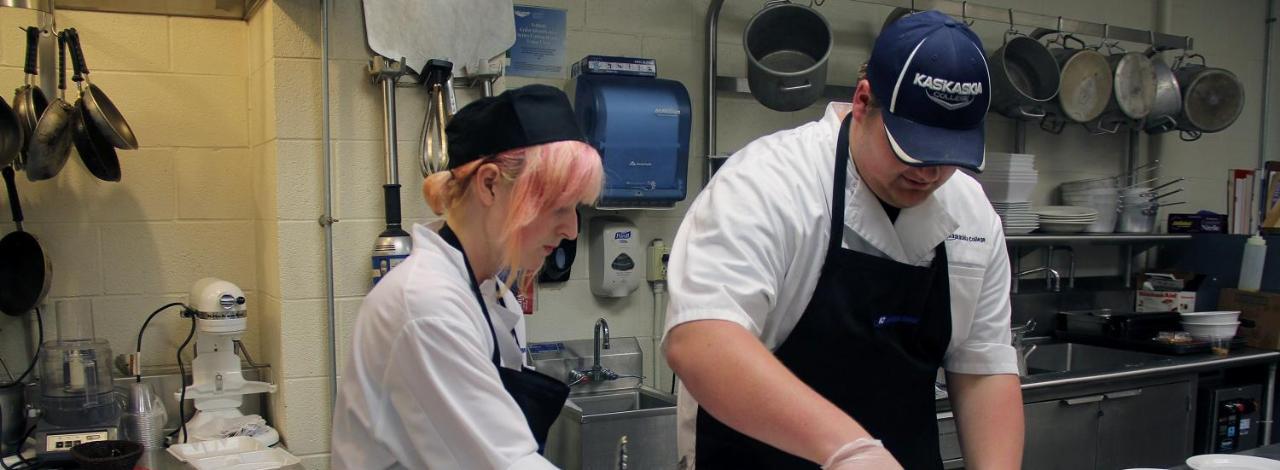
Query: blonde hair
<point x="543" y="177"/>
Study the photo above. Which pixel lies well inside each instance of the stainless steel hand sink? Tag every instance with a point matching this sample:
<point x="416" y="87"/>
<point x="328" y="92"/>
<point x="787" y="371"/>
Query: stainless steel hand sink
<point x="610" y="405"/>
<point x="1076" y="357"/>
<point x="591" y="425"/>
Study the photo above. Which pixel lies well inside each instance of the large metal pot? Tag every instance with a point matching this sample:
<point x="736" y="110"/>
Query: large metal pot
<point x="1212" y="98"/>
<point x="1133" y="93"/>
<point x="787" y="49"/>
<point x="1168" y="101"/>
<point x="1086" y="86"/>
<point x="1024" y="76"/>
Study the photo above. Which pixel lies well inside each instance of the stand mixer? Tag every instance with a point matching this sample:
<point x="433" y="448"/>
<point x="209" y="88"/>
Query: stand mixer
<point x="218" y="385"/>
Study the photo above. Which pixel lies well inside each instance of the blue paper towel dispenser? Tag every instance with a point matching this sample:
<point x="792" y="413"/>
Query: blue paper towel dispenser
<point x="640" y="125"/>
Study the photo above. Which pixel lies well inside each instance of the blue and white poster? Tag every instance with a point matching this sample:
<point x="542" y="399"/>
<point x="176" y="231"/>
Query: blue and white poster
<point x="539" y="48"/>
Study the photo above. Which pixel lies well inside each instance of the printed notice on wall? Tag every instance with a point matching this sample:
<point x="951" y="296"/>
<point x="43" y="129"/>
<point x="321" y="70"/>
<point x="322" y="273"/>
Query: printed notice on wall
<point x="539" y="48"/>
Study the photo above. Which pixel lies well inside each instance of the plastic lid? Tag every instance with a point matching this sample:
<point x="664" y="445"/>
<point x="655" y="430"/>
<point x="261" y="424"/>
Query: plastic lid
<point x="1256" y="240"/>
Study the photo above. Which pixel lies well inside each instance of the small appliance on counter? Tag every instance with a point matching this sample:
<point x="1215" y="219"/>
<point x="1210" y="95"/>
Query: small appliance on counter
<point x="77" y="402"/>
<point x="640" y="124"/>
<point x="218" y="384"/>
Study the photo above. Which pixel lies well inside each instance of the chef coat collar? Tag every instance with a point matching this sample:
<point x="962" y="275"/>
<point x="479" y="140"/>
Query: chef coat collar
<point x="506" y="315"/>
<point x="918" y="230"/>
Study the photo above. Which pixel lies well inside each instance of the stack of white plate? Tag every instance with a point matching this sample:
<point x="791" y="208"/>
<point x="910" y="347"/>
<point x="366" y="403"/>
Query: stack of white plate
<point x="1017" y="217"/>
<point x="1066" y="219"/>
<point x="1009" y="177"/>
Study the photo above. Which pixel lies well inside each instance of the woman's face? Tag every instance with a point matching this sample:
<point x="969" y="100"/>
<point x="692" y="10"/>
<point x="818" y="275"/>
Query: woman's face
<point x="556" y="224"/>
<point x="540" y="238"/>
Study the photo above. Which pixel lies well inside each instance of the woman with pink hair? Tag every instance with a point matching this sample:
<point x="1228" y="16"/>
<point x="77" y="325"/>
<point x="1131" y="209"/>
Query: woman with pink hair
<point x="435" y="374"/>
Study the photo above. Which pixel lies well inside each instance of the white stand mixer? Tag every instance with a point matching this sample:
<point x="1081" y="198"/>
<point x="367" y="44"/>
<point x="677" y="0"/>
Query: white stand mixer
<point x="218" y="385"/>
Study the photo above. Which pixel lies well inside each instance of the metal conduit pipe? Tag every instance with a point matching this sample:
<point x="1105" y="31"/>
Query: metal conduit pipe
<point x="327" y="219"/>
<point x="709" y="117"/>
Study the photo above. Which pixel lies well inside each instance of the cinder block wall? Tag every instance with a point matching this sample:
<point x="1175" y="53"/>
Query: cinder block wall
<point x="183" y="209"/>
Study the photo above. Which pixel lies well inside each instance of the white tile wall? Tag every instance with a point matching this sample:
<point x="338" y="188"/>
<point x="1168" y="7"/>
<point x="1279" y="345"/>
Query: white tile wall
<point x="185" y="206"/>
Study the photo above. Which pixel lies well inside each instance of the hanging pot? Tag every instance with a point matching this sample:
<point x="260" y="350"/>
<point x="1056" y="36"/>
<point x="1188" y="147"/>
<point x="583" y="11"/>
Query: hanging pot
<point x="1212" y="98"/>
<point x="1086" y="86"/>
<point x="787" y="49"/>
<point x="1024" y="77"/>
<point x="1133" y="93"/>
<point x="1168" y="102"/>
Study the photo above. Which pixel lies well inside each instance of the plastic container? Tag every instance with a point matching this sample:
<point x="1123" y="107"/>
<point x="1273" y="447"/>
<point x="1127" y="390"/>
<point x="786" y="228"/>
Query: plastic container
<point x="1255" y="256"/>
<point x="219" y="448"/>
<point x="274" y="457"/>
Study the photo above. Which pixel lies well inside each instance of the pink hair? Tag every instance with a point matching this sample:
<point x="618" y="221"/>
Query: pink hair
<point x="543" y="177"/>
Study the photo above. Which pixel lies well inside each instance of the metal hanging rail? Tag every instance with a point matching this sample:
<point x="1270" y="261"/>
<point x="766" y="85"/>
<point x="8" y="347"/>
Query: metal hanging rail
<point x="961" y="9"/>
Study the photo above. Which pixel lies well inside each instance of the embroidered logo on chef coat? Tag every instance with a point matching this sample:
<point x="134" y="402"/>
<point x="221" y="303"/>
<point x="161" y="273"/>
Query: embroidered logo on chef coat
<point x="966" y="238"/>
<point x="886" y="320"/>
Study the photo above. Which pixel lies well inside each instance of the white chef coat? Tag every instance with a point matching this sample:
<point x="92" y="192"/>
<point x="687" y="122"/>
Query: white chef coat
<point x="751" y="248"/>
<point x="420" y="390"/>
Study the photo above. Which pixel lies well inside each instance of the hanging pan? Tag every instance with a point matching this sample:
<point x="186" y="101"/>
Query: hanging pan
<point x="51" y="143"/>
<point x="29" y="101"/>
<point x="102" y="112"/>
<point x="26" y="271"/>
<point x="95" y="150"/>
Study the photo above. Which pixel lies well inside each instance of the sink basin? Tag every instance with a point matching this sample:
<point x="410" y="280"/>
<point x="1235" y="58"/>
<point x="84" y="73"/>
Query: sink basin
<point x="1076" y="357"/>
<point x="591" y="425"/>
<point x="591" y="406"/>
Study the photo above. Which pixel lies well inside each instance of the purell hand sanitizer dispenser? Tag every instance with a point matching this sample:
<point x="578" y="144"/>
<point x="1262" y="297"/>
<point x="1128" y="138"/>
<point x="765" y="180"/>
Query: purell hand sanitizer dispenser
<point x="616" y="257"/>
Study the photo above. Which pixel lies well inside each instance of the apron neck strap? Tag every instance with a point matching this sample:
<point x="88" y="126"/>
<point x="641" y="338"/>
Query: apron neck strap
<point x="837" y="187"/>
<point x="452" y="239"/>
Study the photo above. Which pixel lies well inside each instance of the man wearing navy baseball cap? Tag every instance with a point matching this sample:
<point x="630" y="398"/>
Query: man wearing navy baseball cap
<point x="828" y="272"/>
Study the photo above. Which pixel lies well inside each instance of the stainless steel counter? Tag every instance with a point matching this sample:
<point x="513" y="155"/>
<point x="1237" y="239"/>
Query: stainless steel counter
<point x="1163" y="366"/>
<point x="1166" y="365"/>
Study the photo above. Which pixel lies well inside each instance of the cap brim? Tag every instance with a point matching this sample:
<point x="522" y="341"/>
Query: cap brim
<point x="916" y="144"/>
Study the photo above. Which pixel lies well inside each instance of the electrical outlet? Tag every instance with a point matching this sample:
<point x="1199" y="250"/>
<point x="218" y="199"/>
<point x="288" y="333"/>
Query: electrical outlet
<point x="656" y="266"/>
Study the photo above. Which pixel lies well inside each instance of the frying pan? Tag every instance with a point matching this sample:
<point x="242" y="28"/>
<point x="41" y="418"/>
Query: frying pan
<point x="104" y="114"/>
<point x="10" y="134"/>
<point x="97" y="153"/>
<point x="52" y="138"/>
<point x="29" y="101"/>
<point x="26" y="272"/>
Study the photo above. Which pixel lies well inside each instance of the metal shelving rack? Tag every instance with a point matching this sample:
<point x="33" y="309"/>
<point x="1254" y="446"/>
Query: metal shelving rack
<point x="961" y="9"/>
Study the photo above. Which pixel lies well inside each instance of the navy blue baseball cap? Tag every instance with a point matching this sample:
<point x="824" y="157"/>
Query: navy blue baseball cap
<point x="929" y="74"/>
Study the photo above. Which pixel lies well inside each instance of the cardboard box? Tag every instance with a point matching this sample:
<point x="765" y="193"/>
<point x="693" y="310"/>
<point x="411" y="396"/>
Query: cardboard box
<point x="1167" y="292"/>
<point x="1159" y="301"/>
<point x="1263" y="308"/>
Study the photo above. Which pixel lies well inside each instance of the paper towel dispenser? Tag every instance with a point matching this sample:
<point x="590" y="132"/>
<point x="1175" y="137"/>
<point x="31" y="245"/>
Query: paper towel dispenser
<point x="640" y="125"/>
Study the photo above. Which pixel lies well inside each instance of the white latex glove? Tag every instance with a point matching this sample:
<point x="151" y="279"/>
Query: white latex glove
<point x="862" y="454"/>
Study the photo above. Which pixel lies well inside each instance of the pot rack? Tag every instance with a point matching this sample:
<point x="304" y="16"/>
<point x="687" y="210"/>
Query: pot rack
<point x="223" y="9"/>
<point x="965" y="10"/>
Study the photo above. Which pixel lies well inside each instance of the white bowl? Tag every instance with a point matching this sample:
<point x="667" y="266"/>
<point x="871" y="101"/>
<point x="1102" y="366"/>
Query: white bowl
<point x="1211" y="330"/>
<point x="1051" y="227"/>
<point x="1211" y="317"/>
<point x="1009" y="191"/>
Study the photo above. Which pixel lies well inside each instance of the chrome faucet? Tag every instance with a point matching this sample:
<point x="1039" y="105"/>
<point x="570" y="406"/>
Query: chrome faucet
<point x="597" y="372"/>
<point x="602" y="328"/>
<point x="1054" y="282"/>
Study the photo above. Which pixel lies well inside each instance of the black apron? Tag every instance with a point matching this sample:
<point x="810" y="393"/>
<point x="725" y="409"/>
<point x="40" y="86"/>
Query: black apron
<point x="539" y="396"/>
<point x="871" y="341"/>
